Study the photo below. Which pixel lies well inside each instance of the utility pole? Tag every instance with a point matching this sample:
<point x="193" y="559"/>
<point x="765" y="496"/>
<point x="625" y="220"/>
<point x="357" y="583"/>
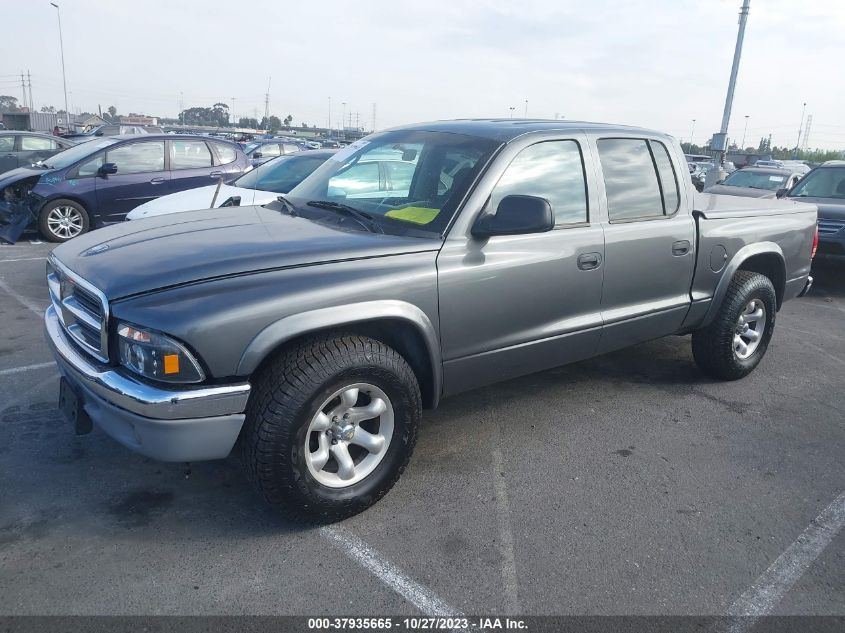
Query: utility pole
<point x="720" y="141"/>
<point x="691" y="134"/>
<point x="233" y="111"/>
<point x="23" y="91"/>
<point x="744" y="130"/>
<point x="64" y="78"/>
<point x="800" y="127"/>
<point x="29" y="81"/>
<point x="267" y="101"/>
<point x="526" y="108"/>
<point x="330" y="116"/>
<point x="343" y="118"/>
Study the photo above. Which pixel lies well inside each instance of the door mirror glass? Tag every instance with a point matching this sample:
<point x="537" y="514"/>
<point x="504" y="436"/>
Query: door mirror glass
<point x="256" y="154"/>
<point x="781" y="193"/>
<point x="517" y="215"/>
<point x="108" y="168"/>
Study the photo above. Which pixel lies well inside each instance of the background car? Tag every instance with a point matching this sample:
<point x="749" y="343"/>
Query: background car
<point x="260" y="151"/>
<point x="824" y="186"/>
<point x="257" y="187"/>
<point x="18" y="149"/>
<point x="97" y="183"/>
<point x="114" y="130"/>
<point x="756" y="182"/>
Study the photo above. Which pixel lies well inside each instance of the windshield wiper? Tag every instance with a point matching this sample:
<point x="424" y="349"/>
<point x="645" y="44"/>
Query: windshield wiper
<point x="364" y="219"/>
<point x="289" y="208"/>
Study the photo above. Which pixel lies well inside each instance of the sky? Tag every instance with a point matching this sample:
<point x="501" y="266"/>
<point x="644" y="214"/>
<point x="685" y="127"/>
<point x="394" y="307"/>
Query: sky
<point x="653" y="63"/>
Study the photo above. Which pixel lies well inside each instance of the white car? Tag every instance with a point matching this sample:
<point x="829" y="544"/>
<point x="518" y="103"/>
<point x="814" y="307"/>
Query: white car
<point x="259" y="186"/>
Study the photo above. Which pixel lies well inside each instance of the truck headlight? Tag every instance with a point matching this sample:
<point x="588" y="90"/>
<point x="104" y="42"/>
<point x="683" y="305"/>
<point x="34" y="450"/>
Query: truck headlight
<point x="156" y="356"/>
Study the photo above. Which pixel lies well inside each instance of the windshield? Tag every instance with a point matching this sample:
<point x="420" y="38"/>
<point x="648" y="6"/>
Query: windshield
<point x="824" y="182"/>
<point x="280" y="175"/>
<point x="76" y="153"/>
<point x="756" y="179"/>
<point x="403" y="179"/>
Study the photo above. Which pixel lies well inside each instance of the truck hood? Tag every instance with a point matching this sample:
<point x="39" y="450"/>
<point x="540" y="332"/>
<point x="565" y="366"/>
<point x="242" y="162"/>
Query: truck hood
<point x="829" y="208"/>
<point x="151" y="254"/>
<point x="199" y="198"/>
<point x="747" y="192"/>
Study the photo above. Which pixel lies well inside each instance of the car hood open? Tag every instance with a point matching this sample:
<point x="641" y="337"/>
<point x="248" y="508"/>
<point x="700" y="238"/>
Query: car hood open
<point x="161" y="252"/>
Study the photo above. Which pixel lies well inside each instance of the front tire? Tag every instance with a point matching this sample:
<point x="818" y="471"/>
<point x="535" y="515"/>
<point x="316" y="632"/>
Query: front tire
<point x="62" y="220"/>
<point x="330" y="426"/>
<point x="738" y="337"/>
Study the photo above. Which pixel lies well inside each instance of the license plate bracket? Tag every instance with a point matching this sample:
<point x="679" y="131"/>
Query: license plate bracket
<point x="71" y="407"/>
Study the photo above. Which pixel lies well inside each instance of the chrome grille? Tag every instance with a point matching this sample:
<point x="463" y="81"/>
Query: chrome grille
<point x="829" y="227"/>
<point x="82" y="309"/>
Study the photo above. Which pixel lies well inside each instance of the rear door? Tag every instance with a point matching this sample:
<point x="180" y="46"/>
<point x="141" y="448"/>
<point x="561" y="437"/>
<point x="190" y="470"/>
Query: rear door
<point x="8" y="156"/>
<point x="649" y="241"/>
<point x="191" y="165"/>
<point x="141" y="176"/>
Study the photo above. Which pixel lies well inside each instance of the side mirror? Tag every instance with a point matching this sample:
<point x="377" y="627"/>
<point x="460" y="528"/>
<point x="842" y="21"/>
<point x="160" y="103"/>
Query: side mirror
<point x="517" y="215"/>
<point x="107" y="168"/>
<point x="781" y="193"/>
<point x="98" y="133"/>
<point x="256" y="154"/>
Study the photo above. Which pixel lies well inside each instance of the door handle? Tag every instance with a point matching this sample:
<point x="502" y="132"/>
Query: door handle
<point x="589" y="261"/>
<point x="156" y="181"/>
<point x="680" y="248"/>
<point x="215" y="174"/>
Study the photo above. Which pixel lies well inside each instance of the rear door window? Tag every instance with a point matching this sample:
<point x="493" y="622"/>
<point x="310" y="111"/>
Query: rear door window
<point x="7" y="143"/>
<point x="630" y="179"/>
<point x="36" y="143"/>
<point x="137" y="158"/>
<point x="189" y="155"/>
<point x="225" y="153"/>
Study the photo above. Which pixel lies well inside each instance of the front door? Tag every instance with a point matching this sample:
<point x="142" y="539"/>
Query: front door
<point x="141" y="176"/>
<point x="649" y="242"/>
<point x="512" y="305"/>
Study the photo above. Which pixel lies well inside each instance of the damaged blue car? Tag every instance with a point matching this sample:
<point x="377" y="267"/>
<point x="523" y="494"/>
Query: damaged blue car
<point x="97" y="183"/>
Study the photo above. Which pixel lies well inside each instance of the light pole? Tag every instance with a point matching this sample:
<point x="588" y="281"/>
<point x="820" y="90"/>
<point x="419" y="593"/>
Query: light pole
<point x="342" y="119"/>
<point x="233" y="112"/>
<point x="330" y="116"/>
<point x="744" y="130"/>
<point x="526" y="108"/>
<point x="512" y="108"/>
<point x="64" y="78"/>
<point x="691" y="134"/>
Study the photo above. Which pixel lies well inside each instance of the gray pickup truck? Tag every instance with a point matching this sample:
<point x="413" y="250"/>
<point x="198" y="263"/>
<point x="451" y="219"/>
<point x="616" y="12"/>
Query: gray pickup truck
<point x="309" y="334"/>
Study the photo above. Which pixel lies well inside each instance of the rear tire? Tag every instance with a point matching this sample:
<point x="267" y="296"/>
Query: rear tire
<point x="62" y="220"/>
<point x="301" y="445"/>
<point x="738" y="337"/>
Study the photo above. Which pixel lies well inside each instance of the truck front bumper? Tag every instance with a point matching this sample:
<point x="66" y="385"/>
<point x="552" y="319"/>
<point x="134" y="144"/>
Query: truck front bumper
<point x="175" y="425"/>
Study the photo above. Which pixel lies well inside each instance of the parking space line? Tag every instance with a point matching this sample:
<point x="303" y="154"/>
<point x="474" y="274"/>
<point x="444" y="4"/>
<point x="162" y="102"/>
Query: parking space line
<point x="773" y="584"/>
<point x="21" y="299"/>
<point x="22" y="259"/>
<point x="390" y="575"/>
<point x="18" y="370"/>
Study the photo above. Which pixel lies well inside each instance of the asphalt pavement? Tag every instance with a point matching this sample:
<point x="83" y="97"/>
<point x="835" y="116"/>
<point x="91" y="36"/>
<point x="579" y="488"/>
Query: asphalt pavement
<point x="626" y="484"/>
